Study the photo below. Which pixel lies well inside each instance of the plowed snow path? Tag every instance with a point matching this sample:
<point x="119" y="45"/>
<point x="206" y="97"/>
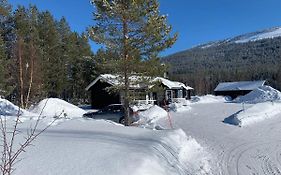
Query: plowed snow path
<point x="253" y="150"/>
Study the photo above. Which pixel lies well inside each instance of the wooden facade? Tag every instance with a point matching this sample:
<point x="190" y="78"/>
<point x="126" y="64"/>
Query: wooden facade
<point x="233" y="94"/>
<point x="236" y="89"/>
<point x="101" y="97"/>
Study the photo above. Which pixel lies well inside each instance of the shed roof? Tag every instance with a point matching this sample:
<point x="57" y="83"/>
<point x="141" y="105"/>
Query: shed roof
<point x="239" y="85"/>
<point x="114" y="80"/>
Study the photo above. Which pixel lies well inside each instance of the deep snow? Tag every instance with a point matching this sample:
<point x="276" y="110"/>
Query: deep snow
<point x="9" y="109"/>
<point x="255" y="149"/>
<point x="259" y="95"/>
<point x="208" y="99"/>
<point x="255" y="114"/>
<point x="56" y="109"/>
<point x="86" y="146"/>
<point x="149" y="117"/>
<point x="200" y="144"/>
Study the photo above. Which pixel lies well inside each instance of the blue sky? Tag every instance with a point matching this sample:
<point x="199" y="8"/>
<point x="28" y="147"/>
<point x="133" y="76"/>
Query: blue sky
<point x="196" y="21"/>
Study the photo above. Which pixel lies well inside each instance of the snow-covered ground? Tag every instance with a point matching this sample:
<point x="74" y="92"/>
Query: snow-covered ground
<point x="208" y="99"/>
<point x="86" y="146"/>
<point x="81" y="146"/>
<point x="255" y="114"/>
<point x="255" y="149"/>
<point x="199" y="142"/>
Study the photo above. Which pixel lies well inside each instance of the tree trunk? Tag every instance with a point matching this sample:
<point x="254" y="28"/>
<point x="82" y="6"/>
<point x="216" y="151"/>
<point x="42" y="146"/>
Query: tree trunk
<point x="31" y="74"/>
<point x="20" y="72"/>
<point x="126" y="73"/>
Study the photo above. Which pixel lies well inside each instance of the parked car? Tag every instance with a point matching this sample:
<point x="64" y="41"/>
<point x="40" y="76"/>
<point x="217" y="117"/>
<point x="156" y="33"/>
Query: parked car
<point x="114" y="112"/>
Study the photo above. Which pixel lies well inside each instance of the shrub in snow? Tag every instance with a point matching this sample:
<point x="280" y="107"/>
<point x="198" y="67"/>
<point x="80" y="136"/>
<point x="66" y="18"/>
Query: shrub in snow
<point x="259" y="95"/>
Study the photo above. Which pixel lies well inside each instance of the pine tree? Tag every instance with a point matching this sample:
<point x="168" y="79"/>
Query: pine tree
<point x="27" y="55"/>
<point x="3" y="58"/>
<point x="52" y="63"/>
<point x="137" y="33"/>
<point x="5" y="8"/>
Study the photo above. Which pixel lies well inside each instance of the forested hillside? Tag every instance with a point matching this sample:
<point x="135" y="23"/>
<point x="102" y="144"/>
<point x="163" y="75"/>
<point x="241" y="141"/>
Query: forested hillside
<point x="246" y="57"/>
<point x="41" y="57"/>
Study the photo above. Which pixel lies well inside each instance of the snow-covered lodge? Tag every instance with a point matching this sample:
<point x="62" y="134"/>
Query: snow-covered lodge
<point x="239" y="88"/>
<point x="157" y="90"/>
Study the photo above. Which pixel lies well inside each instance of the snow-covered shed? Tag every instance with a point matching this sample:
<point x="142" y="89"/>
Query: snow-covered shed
<point x="239" y="88"/>
<point x="170" y="90"/>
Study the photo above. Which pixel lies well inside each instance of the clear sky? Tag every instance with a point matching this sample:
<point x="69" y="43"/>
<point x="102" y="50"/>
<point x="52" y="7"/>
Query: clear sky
<point x="196" y="21"/>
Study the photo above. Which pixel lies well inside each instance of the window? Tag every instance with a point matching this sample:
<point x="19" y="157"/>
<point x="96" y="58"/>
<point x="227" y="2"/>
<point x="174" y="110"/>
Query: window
<point x="180" y="94"/>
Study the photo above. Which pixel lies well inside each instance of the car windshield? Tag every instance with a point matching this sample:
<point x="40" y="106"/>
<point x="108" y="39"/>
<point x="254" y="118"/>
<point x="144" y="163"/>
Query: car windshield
<point x="112" y="108"/>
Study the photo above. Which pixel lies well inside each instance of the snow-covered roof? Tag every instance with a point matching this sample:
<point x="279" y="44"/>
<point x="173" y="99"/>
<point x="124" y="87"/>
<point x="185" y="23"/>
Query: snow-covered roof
<point x="239" y="85"/>
<point x="114" y="80"/>
<point x="172" y="84"/>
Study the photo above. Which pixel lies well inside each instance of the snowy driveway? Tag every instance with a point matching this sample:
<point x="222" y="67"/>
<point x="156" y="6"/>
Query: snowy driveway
<point x="254" y="149"/>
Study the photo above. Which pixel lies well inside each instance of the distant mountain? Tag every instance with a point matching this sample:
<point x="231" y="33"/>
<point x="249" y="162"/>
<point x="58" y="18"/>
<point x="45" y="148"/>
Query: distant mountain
<point x="250" y="37"/>
<point x="252" y="56"/>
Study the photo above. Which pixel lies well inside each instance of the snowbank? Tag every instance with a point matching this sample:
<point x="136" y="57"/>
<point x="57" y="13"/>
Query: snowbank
<point x="9" y="109"/>
<point x="190" y="153"/>
<point x="259" y="95"/>
<point x="254" y="114"/>
<point x="54" y="107"/>
<point x="148" y="118"/>
<point x="208" y="99"/>
<point x="102" y="148"/>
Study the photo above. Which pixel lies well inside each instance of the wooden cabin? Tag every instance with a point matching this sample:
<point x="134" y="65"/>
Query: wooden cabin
<point x="158" y="90"/>
<point x="239" y="88"/>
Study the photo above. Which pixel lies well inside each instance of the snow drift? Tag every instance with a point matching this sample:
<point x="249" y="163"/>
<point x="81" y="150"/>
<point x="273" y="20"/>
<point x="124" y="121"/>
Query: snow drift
<point x="9" y="109"/>
<point x="259" y="95"/>
<point x="102" y="148"/>
<point x="148" y="118"/>
<point x="54" y="107"/>
<point x="254" y="114"/>
<point x="208" y="99"/>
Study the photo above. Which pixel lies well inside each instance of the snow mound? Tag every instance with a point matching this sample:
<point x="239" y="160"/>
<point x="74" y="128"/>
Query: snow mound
<point x="254" y="114"/>
<point x="9" y="109"/>
<point x="208" y="99"/>
<point x="259" y="95"/>
<point x="190" y="153"/>
<point x="148" y="118"/>
<point x="113" y="149"/>
<point x="54" y="107"/>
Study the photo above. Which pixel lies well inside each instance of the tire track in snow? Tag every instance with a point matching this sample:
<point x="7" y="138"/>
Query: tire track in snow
<point x="269" y="167"/>
<point x="230" y="162"/>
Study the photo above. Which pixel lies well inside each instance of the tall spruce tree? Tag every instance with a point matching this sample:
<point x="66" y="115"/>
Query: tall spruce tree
<point x="3" y="58"/>
<point x="41" y="57"/>
<point x="137" y="33"/>
<point x="52" y="58"/>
